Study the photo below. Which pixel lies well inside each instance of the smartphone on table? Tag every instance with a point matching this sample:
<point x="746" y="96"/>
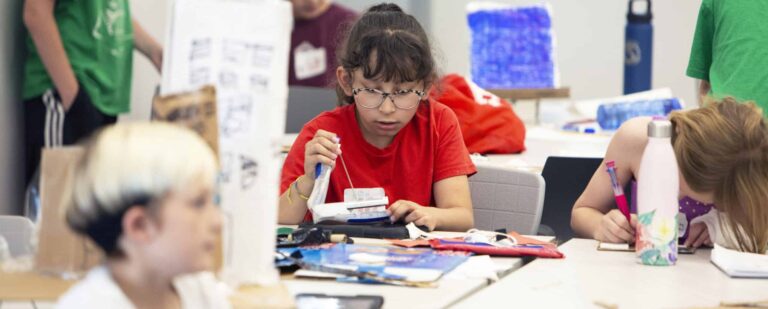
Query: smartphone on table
<point x="313" y="301"/>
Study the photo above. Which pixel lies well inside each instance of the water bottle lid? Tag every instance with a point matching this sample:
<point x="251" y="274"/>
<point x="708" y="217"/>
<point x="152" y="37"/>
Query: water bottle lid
<point x="639" y="12"/>
<point x="660" y="128"/>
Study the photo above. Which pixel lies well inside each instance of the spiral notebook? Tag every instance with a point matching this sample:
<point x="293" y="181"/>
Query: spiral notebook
<point x="740" y="264"/>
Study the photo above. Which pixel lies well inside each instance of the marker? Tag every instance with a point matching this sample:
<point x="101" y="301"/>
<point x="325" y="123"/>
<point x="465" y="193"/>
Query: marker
<point x="618" y="192"/>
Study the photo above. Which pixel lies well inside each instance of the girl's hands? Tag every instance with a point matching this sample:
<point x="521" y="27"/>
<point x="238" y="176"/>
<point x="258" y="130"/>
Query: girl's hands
<point x="614" y="228"/>
<point x="698" y="235"/>
<point x="408" y="212"/>
<point x="323" y="148"/>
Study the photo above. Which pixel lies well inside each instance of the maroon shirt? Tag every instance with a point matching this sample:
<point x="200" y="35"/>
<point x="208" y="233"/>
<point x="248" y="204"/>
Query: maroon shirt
<point x="326" y="31"/>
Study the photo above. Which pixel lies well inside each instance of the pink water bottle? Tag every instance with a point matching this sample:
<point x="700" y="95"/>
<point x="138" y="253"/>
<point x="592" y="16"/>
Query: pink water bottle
<point x="657" y="204"/>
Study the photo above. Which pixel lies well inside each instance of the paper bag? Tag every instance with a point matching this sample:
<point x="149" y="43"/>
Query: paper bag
<point x="195" y="110"/>
<point x="60" y="249"/>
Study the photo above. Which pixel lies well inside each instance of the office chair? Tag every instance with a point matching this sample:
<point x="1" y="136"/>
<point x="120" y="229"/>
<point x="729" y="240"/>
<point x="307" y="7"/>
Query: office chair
<point x="566" y="178"/>
<point x="508" y="199"/>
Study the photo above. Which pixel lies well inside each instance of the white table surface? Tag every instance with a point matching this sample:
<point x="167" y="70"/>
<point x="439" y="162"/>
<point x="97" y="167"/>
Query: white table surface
<point x="586" y="277"/>
<point x="542" y="142"/>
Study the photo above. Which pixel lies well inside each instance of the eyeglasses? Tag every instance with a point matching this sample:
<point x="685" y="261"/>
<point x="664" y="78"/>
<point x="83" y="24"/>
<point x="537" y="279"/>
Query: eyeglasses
<point x="373" y="98"/>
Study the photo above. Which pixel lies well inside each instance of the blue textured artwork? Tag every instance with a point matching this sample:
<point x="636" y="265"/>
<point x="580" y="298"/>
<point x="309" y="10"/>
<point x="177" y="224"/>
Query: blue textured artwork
<point x="512" y="47"/>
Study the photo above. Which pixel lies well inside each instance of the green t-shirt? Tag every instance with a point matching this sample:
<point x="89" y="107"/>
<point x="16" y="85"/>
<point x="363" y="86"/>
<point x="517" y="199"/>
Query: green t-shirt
<point x="98" y="40"/>
<point x="730" y="49"/>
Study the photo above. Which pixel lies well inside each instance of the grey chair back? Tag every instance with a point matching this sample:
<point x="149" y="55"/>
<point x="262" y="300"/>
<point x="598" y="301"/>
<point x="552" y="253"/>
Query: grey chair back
<point x="507" y="198"/>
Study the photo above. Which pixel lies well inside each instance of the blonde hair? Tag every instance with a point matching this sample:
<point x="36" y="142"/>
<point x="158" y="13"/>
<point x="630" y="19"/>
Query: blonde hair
<point x="723" y="148"/>
<point x="133" y="164"/>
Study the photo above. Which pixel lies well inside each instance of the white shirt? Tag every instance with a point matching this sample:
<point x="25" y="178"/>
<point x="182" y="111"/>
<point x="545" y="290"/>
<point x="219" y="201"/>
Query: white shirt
<point x="723" y="237"/>
<point x="99" y="290"/>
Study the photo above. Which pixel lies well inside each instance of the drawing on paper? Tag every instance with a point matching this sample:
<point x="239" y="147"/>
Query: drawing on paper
<point x="248" y="172"/>
<point x="237" y="113"/>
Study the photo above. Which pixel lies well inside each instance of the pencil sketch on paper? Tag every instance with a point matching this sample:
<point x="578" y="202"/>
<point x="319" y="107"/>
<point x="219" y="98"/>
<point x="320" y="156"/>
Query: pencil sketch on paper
<point x="226" y="167"/>
<point x="199" y="76"/>
<point x="234" y="51"/>
<point x="228" y="79"/>
<point x="260" y="83"/>
<point x="237" y="114"/>
<point x="262" y="55"/>
<point x="248" y="172"/>
<point x="200" y="49"/>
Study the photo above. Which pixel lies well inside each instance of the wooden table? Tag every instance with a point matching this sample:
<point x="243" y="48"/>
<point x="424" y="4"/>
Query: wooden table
<point x="591" y="278"/>
<point x="535" y="94"/>
<point x="34" y="290"/>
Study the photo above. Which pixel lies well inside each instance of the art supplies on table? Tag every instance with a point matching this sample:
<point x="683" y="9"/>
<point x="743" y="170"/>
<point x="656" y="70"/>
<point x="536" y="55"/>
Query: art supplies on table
<point x="359" y="205"/>
<point x="542" y="251"/>
<point x="486" y="242"/>
<point x="309" y="237"/>
<point x="378" y="230"/>
<point x="394" y="265"/>
<point x="586" y="126"/>
<point x="740" y="264"/>
<point x="607" y="246"/>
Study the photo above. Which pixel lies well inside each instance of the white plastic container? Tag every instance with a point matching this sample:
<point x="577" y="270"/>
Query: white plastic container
<point x="657" y="202"/>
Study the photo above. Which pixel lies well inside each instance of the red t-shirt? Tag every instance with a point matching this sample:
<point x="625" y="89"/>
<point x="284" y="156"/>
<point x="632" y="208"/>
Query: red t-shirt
<point x="428" y="149"/>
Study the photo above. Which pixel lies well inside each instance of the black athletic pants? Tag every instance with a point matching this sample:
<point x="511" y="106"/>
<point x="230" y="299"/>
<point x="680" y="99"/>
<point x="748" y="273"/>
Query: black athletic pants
<point x="46" y="124"/>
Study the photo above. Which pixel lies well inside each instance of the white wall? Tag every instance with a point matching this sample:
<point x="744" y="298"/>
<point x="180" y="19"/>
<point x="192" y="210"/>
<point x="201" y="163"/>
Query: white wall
<point x="151" y="15"/>
<point x="11" y="151"/>
<point x="590" y="42"/>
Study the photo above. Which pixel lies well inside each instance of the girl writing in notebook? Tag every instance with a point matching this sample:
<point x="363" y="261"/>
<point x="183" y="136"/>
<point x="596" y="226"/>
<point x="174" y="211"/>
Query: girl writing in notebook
<point x="394" y="135"/>
<point x="722" y="156"/>
<point x="144" y="194"/>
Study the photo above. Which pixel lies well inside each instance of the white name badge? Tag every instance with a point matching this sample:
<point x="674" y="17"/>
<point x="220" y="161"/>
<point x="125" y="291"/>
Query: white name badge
<point x="308" y="61"/>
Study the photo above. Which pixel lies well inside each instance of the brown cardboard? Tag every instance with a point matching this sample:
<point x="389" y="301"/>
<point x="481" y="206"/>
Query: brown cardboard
<point x="60" y="250"/>
<point x="195" y="110"/>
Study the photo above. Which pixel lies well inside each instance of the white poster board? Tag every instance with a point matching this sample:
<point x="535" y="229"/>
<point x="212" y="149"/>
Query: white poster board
<point x="241" y="47"/>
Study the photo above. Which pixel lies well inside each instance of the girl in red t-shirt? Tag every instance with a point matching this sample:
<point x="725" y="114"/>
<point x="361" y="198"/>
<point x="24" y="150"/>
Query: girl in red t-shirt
<point x="394" y="136"/>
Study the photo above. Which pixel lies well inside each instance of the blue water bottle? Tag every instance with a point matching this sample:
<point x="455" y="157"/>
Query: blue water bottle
<point x="638" y="47"/>
<point x="611" y="115"/>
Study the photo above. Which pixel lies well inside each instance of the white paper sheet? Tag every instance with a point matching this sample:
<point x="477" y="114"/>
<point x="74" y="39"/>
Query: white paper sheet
<point x="241" y="47"/>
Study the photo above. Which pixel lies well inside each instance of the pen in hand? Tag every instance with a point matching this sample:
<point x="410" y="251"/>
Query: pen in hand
<point x="618" y="192"/>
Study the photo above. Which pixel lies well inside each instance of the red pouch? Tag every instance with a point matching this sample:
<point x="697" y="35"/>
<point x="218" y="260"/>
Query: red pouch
<point x="543" y="251"/>
<point x="488" y="123"/>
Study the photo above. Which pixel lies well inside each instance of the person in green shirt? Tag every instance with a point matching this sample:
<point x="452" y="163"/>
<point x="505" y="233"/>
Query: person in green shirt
<point x="730" y="50"/>
<point x="77" y="73"/>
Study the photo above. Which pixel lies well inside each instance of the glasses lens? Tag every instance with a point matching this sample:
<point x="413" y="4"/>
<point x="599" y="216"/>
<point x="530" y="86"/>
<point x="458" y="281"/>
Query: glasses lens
<point x="368" y="98"/>
<point x="406" y="100"/>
